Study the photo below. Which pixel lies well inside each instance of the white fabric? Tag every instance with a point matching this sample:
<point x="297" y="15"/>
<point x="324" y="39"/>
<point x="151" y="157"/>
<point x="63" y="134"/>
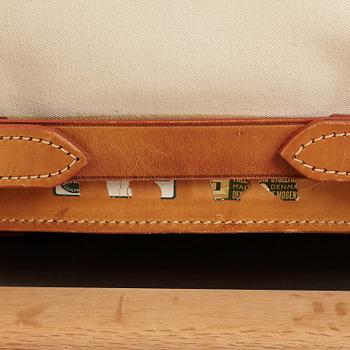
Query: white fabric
<point x="165" y="57"/>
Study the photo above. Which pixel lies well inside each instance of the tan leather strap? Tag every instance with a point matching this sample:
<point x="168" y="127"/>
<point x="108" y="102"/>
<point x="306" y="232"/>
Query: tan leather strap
<point x="321" y="208"/>
<point x="321" y="150"/>
<point x="33" y="156"/>
<point x="205" y="149"/>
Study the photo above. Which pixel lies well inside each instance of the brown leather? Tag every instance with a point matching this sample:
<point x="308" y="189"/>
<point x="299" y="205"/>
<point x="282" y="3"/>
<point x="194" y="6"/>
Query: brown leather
<point x="322" y="207"/>
<point x="321" y="150"/>
<point x="177" y="149"/>
<point x="197" y="149"/>
<point x="34" y="156"/>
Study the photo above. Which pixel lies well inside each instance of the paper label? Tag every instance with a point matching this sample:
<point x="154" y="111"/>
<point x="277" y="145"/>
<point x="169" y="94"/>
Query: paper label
<point x="167" y="189"/>
<point x="229" y="189"/>
<point x="71" y="188"/>
<point x="285" y="189"/>
<point x="119" y="189"/>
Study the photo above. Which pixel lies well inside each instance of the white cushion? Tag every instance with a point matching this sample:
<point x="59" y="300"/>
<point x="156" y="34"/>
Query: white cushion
<point x="166" y="57"/>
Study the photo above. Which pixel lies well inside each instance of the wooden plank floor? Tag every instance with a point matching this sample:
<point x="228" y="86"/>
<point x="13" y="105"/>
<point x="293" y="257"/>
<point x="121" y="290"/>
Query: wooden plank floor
<point x="99" y="318"/>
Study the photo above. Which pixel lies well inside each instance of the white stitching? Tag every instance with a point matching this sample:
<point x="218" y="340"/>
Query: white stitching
<point x="175" y="222"/>
<point x="312" y="167"/>
<point x="39" y="176"/>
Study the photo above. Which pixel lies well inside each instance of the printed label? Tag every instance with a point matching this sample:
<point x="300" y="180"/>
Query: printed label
<point x="167" y="189"/>
<point x="285" y="189"/>
<point x="119" y="189"/>
<point x="229" y="189"/>
<point x="71" y="188"/>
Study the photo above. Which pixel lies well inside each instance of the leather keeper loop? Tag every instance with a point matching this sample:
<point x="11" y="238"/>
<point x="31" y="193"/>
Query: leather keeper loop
<point x="321" y="150"/>
<point x="33" y="156"/>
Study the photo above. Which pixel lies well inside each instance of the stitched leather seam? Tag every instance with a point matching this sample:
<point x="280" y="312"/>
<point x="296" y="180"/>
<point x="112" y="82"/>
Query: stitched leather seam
<point x="48" y="143"/>
<point x="181" y="222"/>
<point x="312" y="167"/>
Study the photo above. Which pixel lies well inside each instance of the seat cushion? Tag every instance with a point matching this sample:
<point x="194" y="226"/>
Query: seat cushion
<point x="125" y="58"/>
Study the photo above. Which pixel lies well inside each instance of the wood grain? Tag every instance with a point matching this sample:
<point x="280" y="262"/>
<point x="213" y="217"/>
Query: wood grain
<point x="86" y="318"/>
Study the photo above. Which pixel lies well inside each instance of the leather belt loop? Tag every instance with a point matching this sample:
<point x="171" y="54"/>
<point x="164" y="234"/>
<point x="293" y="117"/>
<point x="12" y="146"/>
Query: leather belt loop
<point x="36" y="156"/>
<point x="321" y="150"/>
